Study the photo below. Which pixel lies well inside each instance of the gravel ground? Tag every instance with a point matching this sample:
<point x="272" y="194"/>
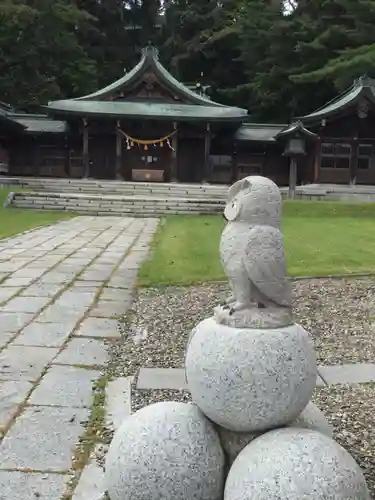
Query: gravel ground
<point x="337" y="313"/>
<point x="351" y="412"/>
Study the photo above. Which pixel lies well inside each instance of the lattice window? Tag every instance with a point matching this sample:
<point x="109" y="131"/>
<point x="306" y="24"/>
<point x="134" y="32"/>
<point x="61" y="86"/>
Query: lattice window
<point x="365" y="156"/>
<point x="335" y="155"/>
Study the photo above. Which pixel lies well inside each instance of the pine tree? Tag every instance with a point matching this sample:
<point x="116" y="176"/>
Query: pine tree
<point x="271" y="41"/>
<point x="41" y="57"/>
<point x="113" y="37"/>
<point x="344" y="45"/>
<point x="183" y="48"/>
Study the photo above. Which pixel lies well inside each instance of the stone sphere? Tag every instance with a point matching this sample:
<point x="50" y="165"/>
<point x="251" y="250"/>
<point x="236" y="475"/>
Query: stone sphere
<point x="250" y="380"/>
<point x="294" y="464"/>
<point x="165" y="450"/>
<point x="234" y="442"/>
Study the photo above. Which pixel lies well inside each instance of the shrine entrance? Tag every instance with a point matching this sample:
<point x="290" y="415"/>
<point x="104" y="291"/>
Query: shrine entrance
<point x="146" y="160"/>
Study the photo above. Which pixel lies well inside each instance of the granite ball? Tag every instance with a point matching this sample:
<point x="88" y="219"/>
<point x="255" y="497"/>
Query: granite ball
<point x="166" y="450"/>
<point x="250" y="380"/>
<point x="234" y="442"/>
<point x="294" y="464"/>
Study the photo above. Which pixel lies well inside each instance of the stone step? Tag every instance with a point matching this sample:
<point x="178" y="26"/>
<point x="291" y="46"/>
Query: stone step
<point x="131" y="191"/>
<point x="119" y="199"/>
<point x="140" y="192"/>
<point x="111" y="187"/>
<point x="116" y="205"/>
<point x="125" y="210"/>
<point x="112" y="207"/>
<point x="133" y="213"/>
<point x="94" y="204"/>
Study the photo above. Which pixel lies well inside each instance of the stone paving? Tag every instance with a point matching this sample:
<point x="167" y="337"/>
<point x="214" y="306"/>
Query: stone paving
<point x="62" y="288"/>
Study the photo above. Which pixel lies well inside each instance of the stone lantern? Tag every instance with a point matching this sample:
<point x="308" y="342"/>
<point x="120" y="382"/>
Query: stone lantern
<point x="294" y="138"/>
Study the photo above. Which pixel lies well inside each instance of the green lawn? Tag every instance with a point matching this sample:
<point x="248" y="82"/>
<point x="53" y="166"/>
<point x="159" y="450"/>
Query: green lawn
<point x="321" y="238"/>
<point x="14" y="221"/>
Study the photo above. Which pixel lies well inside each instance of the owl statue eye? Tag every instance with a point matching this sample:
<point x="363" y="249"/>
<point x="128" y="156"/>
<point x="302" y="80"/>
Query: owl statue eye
<point x="232" y="210"/>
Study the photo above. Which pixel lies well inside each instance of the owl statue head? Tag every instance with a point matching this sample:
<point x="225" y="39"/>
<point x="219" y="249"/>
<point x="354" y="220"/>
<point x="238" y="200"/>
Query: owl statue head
<point x="255" y="200"/>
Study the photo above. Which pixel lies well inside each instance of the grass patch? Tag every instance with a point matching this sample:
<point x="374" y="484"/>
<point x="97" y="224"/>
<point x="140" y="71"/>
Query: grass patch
<point x="15" y="220"/>
<point x="321" y="238"/>
<point x="92" y="435"/>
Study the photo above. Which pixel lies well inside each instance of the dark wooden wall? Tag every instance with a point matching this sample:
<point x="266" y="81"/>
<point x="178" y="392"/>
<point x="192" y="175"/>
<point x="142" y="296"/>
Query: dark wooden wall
<point x="190" y="159"/>
<point x="263" y="159"/>
<point x="348" y="129"/>
<point x="60" y="156"/>
<point x="45" y="155"/>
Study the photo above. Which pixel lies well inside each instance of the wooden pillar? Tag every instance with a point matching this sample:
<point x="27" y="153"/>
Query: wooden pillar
<point x="234" y="176"/>
<point x="207" y="147"/>
<point x="174" y="165"/>
<point x="36" y="158"/>
<point x="353" y="169"/>
<point x="67" y="157"/>
<point x="85" y="149"/>
<point x="119" y="140"/>
<point x="318" y="147"/>
<point x="292" y="178"/>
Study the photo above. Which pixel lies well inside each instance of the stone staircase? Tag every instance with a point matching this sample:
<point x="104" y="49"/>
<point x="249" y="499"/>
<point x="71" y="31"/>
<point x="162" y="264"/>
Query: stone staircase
<point x="142" y="199"/>
<point x="137" y="206"/>
<point x="95" y="197"/>
<point x="121" y="188"/>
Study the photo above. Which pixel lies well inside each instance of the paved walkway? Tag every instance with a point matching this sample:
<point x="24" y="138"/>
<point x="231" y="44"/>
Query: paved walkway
<point x="63" y="287"/>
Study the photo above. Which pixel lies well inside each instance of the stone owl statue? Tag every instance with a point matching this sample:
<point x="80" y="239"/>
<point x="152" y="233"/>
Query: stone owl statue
<point x="252" y="254"/>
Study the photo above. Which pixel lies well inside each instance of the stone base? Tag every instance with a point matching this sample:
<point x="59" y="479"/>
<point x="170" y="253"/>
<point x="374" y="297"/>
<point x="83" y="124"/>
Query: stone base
<point x="295" y="464"/>
<point x="166" y="451"/>
<point x="253" y="317"/>
<point x="234" y="442"/>
<point x="250" y="380"/>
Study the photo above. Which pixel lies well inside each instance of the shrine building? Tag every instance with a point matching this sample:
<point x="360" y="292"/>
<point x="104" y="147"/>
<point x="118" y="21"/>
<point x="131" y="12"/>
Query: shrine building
<point x="148" y="126"/>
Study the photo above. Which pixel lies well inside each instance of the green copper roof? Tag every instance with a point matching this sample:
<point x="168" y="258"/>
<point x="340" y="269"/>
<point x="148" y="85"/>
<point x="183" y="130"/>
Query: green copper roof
<point x="363" y="88"/>
<point x="39" y="124"/>
<point x="150" y="62"/>
<point x="29" y="123"/>
<point x="156" y="111"/>
<point x="258" y="132"/>
<point x="96" y="103"/>
<point x="294" y="130"/>
<point x="8" y="123"/>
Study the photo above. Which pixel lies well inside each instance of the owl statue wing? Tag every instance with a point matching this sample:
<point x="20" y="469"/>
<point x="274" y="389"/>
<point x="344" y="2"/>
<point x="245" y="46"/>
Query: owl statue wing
<point x="264" y="261"/>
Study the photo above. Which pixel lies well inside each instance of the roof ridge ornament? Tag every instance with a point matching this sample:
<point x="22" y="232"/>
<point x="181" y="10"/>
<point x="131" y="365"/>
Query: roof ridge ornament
<point x="296" y="129"/>
<point x="150" y="51"/>
<point x="364" y="81"/>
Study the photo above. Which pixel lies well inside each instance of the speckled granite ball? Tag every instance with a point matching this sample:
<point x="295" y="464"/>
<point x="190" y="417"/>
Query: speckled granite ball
<point x="293" y="464"/>
<point x="250" y="380"/>
<point x="234" y="442"/>
<point x="165" y="450"/>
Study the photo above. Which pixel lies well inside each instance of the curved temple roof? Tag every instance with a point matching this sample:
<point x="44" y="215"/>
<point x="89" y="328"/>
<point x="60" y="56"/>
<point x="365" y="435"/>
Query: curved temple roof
<point x="198" y="108"/>
<point x="295" y="129"/>
<point x="158" y="111"/>
<point x="9" y="123"/>
<point x="362" y="88"/>
<point x="258" y="132"/>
